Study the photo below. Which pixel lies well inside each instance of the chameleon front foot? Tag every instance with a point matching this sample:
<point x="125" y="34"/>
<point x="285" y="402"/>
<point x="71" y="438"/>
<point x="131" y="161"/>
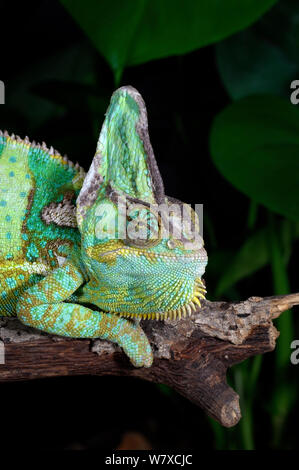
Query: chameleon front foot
<point x="42" y="306"/>
<point x="140" y="355"/>
<point x="132" y="339"/>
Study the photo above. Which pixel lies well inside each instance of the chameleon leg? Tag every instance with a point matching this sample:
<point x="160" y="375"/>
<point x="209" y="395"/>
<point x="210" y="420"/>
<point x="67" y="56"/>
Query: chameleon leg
<point x="42" y="307"/>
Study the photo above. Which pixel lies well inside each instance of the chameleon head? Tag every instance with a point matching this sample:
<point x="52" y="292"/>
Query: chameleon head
<point x="142" y="249"/>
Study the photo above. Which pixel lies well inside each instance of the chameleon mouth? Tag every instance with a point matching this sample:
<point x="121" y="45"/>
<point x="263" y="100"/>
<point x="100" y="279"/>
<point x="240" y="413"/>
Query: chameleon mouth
<point x="183" y="311"/>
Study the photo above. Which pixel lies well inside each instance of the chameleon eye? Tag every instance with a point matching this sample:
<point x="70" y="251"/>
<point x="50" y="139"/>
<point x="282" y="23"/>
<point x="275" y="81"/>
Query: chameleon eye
<point x="143" y="227"/>
<point x="171" y="244"/>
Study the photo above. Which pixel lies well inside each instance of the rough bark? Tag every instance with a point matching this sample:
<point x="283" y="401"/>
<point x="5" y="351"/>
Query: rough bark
<point x="191" y="355"/>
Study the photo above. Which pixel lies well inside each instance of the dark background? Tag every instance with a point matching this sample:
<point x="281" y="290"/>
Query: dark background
<point x="57" y="90"/>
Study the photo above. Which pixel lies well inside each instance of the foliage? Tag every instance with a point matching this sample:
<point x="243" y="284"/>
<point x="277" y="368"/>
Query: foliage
<point x="263" y="58"/>
<point x="130" y="33"/>
<point x="255" y="145"/>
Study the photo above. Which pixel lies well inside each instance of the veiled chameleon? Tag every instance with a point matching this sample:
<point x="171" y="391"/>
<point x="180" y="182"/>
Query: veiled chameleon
<point x="86" y="256"/>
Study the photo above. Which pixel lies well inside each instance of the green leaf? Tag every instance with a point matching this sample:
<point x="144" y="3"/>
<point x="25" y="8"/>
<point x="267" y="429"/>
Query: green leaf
<point x="134" y="32"/>
<point x="72" y="64"/>
<point x="243" y="264"/>
<point x="281" y="287"/>
<point x="264" y="58"/>
<point x="255" y="145"/>
<point x="280" y="405"/>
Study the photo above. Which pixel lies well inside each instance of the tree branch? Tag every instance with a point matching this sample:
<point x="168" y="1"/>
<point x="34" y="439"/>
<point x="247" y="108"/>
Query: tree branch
<point x="191" y="355"/>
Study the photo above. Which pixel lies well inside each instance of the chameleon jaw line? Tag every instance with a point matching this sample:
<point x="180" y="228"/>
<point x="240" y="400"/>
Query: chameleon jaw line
<point x="175" y="314"/>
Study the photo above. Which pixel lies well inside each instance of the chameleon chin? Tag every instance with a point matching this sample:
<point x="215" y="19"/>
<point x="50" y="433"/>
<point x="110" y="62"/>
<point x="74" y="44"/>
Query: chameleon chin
<point x="109" y="238"/>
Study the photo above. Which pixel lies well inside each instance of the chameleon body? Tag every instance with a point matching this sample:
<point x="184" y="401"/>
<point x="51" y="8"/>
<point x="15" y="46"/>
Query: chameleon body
<point x="67" y="266"/>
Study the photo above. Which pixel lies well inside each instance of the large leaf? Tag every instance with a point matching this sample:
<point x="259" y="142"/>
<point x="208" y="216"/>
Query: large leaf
<point x="255" y="145"/>
<point x="264" y="58"/>
<point x="72" y="64"/>
<point x="254" y="254"/>
<point x="251" y="257"/>
<point x="133" y="32"/>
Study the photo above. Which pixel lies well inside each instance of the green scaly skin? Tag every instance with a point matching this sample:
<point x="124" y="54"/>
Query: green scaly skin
<point x="65" y="266"/>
